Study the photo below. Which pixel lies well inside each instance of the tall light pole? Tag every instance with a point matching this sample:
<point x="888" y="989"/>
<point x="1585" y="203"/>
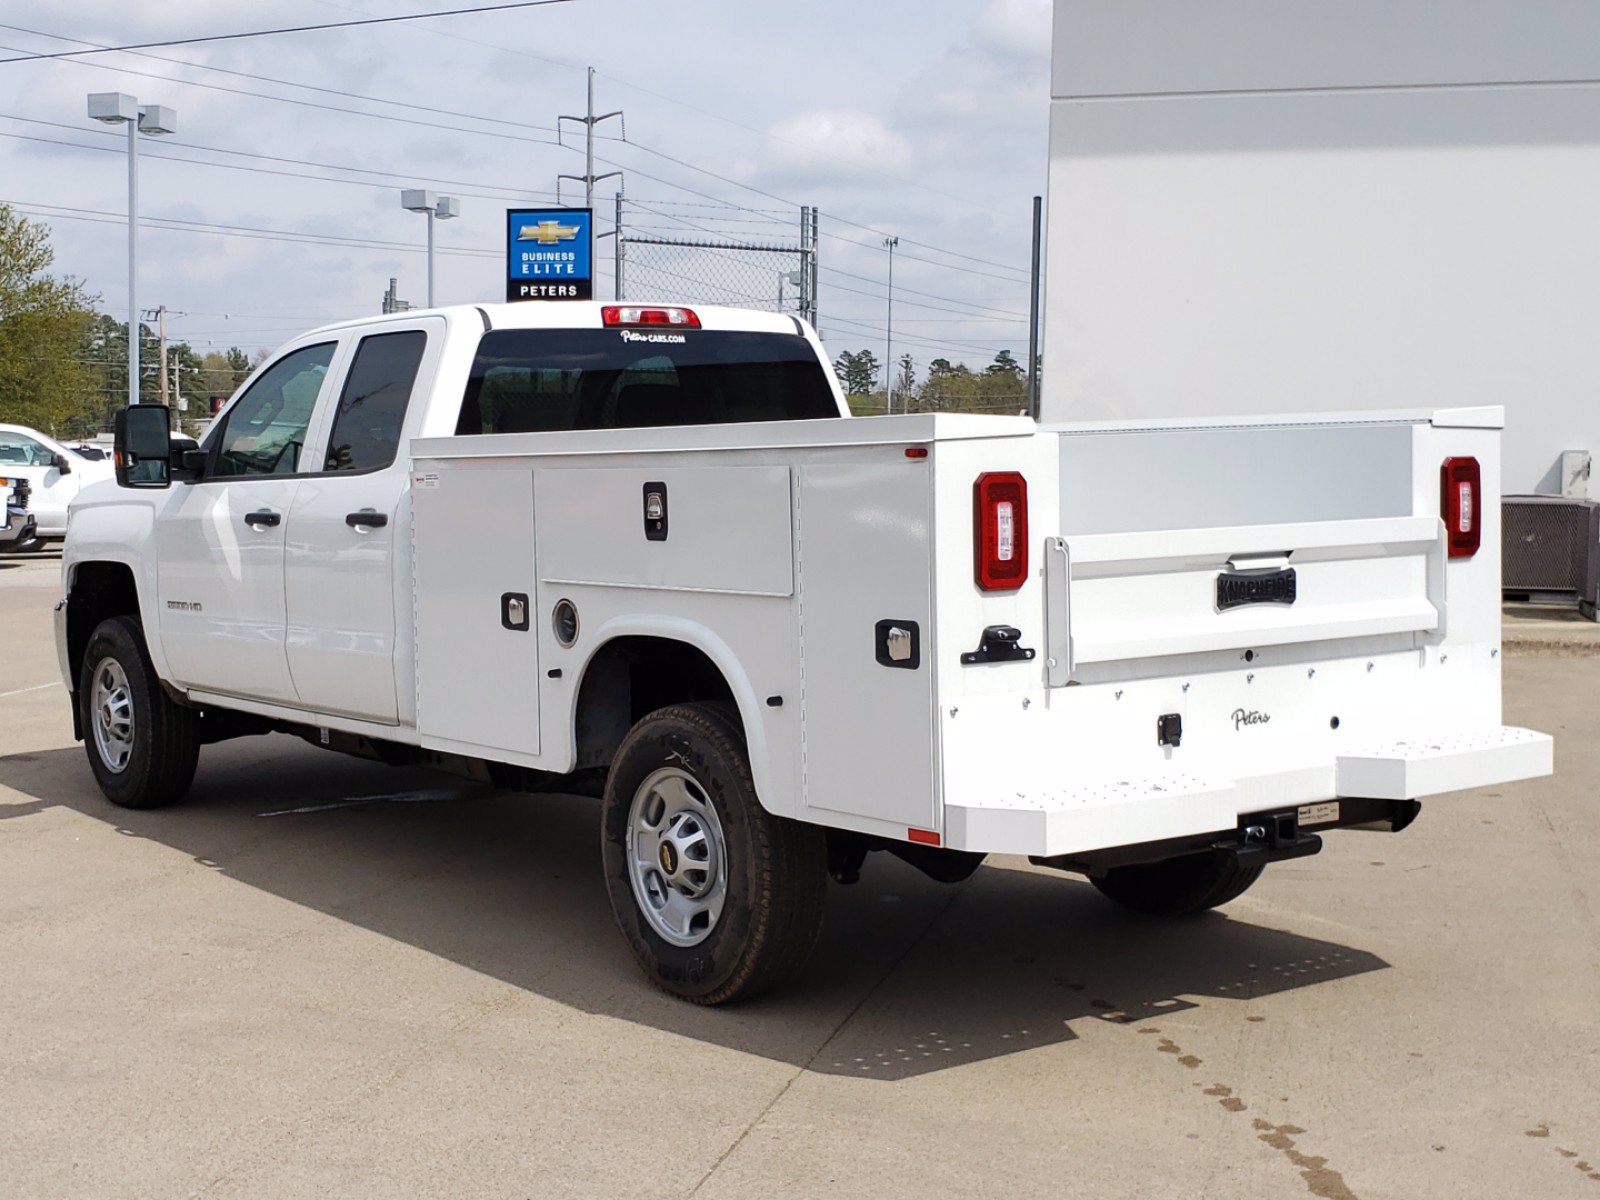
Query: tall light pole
<point x="438" y="208"/>
<point x="119" y="108"/>
<point x="888" y="327"/>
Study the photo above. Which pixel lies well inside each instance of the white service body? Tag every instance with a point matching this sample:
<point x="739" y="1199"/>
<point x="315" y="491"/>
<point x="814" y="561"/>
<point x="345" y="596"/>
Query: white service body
<point x="788" y="542"/>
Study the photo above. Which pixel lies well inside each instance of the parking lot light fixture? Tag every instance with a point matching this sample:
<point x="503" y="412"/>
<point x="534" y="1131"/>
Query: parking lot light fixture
<point x="437" y="208"/>
<point x="119" y="108"/>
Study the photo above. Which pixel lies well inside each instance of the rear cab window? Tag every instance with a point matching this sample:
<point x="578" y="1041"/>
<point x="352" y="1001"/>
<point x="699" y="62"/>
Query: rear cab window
<point x="545" y="380"/>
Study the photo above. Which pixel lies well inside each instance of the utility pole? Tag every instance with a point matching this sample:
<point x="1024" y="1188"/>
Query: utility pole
<point x="617" y="233"/>
<point x="161" y="323"/>
<point x="888" y="326"/>
<point x="589" y="120"/>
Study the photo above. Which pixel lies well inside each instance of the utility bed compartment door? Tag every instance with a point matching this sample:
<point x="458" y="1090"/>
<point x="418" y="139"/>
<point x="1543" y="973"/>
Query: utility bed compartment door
<point x="1150" y="595"/>
<point x="477" y="671"/>
<point x="722" y="529"/>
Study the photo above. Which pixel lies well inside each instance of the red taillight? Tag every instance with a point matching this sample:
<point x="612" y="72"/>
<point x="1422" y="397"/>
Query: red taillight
<point x="629" y="314"/>
<point x="1461" y="505"/>
<point x="1000" y="531"/>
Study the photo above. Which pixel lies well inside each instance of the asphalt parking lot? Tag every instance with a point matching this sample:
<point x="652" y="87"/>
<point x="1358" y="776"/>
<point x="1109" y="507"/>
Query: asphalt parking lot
<point x="274" y="991"/>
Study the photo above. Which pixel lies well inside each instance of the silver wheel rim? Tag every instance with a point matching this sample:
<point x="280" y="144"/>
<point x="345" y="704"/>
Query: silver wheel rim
<point x="677" y="857"/>
<point x="111" y="715"/>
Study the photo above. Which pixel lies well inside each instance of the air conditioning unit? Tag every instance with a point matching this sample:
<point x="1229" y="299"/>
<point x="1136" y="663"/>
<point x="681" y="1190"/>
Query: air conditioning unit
<point x="1550" y="550"/>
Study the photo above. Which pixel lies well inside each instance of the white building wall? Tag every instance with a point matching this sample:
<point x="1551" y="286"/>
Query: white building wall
<point x="1312" y="205"/>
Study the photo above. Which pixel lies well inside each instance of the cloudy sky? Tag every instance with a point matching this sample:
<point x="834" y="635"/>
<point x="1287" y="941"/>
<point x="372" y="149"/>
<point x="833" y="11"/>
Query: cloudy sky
<point x="925" y="119"/>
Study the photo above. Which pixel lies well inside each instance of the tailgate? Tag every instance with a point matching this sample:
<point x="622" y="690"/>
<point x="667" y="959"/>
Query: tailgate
<point x="1220" y="537"/>
<point x="1151" y="595"/>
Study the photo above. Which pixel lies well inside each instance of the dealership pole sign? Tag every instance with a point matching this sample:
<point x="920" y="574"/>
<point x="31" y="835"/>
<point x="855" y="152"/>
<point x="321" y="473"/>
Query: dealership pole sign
<point x="550" y="254"/>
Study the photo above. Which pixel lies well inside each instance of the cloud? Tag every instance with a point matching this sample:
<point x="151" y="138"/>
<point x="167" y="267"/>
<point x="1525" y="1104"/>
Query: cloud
<point x="832" y="146"/>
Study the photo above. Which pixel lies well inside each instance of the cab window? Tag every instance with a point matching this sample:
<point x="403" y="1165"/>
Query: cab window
<point x="372" y="406"/>
<point x="19" y="449"/>
<point x="265" y="430"/>
<point x="538" y="380"/>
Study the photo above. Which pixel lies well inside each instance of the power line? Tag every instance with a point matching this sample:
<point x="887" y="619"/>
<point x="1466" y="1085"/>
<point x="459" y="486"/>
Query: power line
<point x="165" y="154"/>
<point x="496" y="120"/>
<point x="983" y="308"/>
<point x="704" y="112"/>
<point x="255" y="33"/>
<point x="908" y="303"/>
<point x="921" y="342"/>
<point x="785" y="200"/>
<point x="493" y="133"/>
<point x="249" y="232"/>
<point x="310" y="87"/>
<point x="354" y="112"/>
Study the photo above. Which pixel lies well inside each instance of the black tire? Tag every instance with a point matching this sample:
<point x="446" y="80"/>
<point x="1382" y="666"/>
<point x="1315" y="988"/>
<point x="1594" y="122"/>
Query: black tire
<point x="165" y="735"/>
<point x="1178" y="886"/>
<point x="776" y="869"/>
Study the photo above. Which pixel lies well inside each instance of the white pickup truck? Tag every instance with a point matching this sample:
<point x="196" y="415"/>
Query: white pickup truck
<point x="642" y="550"/>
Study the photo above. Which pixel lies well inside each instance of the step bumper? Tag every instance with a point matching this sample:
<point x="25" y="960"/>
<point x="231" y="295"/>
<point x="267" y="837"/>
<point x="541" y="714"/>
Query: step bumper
<point x="1079" y="818"/>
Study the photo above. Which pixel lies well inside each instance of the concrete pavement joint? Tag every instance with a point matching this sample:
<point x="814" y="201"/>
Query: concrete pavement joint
<point x="826" y="1042"/>
<point x="38" y="687"/>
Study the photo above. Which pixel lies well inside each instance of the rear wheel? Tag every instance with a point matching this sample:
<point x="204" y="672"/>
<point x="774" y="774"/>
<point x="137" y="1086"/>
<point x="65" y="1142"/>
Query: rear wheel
<point x="1178" y="886"/>
<point x="142" y="747"/>
<point x="718" y="899"/>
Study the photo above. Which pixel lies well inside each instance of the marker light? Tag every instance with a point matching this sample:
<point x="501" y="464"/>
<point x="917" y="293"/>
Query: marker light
<point x="1460" y="504"/>
<point x="615" y="315"/>
<point x="1000" y="531"/>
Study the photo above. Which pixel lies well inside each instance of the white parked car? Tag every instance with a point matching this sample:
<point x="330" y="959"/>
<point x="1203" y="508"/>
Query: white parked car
<point x="55" y="473"/>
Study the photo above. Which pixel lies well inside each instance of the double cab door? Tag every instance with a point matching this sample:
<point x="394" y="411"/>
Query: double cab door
<point x="277" y="570"/>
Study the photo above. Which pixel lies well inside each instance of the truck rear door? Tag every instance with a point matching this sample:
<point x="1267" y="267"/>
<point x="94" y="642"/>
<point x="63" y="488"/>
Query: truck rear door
<point x="340" y="568"/>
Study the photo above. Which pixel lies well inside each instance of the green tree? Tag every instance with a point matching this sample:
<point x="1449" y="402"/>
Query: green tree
<point x="239" y="362"/>
<point x="217" y="374"/>
<point x="1004" y="364"/>
<point x="1004" y="387"/>
<point x="105" y="349"/>
<point x="948" y="388"/>
<point x="858" y="372"/>
<point x="44" y="322"/>
<point x="905" y="383"/>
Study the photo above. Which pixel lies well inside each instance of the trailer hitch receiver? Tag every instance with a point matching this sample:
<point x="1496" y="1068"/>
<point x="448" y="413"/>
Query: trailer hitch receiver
<point x="1270" y="837"/>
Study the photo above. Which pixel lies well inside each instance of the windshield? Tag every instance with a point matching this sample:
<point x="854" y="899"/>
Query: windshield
<point x="18" y="449"/>
<point x="538" y="380"/>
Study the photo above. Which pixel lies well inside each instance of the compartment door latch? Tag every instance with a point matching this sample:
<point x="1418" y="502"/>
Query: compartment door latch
<point x="998" y="644"/>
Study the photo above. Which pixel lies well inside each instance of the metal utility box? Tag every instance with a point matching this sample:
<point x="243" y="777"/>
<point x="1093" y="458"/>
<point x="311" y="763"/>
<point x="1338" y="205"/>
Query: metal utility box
<point x="1551" y="550"/>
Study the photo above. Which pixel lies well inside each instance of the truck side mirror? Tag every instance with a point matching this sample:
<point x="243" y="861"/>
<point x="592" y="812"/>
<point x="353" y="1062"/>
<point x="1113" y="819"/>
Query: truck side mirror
<point x="61" y="463"/>
<point x="188" y="460"/>
<point x="143" y="455"/>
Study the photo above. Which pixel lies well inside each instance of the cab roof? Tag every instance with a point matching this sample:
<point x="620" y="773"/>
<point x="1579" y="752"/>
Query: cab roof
<point x="577" y="314"/>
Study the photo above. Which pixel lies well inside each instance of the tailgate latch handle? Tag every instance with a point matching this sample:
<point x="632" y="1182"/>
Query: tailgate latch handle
<point x="1000" y="643"/>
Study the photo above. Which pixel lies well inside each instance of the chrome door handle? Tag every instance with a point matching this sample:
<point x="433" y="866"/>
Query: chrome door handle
<point x="263" y="517"/>
<point x="366" y="519"/>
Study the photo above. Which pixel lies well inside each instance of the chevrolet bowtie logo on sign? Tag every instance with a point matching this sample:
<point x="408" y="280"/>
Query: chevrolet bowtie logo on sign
<point x="549" y="254"/>
<point x="548" y="233"/>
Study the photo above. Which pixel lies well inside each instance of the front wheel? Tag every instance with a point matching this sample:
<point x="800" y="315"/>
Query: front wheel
<point x="142" y="746"/>
<point x="1178" y="886"/>
<point x="718" y="899"/>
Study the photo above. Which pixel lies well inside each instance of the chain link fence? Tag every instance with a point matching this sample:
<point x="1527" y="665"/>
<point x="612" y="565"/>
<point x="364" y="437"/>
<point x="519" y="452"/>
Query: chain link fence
<point x="773" y="276"/>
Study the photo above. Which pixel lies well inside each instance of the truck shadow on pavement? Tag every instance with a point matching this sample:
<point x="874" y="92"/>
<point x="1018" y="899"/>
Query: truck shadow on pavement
<point x="911" y="976"/>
